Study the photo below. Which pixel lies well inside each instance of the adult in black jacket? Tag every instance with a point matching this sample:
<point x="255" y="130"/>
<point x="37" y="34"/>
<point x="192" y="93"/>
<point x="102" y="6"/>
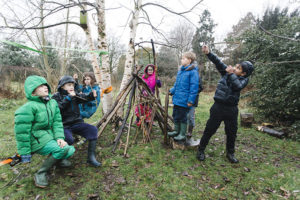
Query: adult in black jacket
<point x="68" y="101"/>
<point x="227" y="95"/>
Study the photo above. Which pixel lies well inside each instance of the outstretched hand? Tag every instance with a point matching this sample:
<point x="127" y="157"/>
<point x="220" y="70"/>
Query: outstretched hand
<point x="205" y="49"/>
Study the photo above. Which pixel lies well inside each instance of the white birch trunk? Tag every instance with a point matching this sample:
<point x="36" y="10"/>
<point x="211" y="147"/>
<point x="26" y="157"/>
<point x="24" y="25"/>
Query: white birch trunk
<point x="102" y="46"/>
<point x="130" y="52"/>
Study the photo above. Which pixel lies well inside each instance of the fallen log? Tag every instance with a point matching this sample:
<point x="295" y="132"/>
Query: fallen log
<point x="271" y="132"/>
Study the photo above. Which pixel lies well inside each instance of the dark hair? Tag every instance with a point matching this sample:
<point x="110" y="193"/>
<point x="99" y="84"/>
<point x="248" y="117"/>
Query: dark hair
<point x="91" y="75"/>
<point x="247" y="67"/>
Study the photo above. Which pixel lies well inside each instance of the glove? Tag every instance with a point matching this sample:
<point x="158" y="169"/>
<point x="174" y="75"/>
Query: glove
<point x="25" y="158"/>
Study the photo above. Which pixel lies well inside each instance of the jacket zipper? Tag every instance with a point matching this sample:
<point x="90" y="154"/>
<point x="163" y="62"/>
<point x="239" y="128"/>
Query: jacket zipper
<point x="47" y="115"/>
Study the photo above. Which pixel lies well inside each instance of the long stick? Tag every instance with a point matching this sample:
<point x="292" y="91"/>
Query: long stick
<point x="116" y="141"/>
<point x="103" y="119"/>
<point x="107" y="119"/>
<point x="128" y="132"/>
<point x="166" y="116"/>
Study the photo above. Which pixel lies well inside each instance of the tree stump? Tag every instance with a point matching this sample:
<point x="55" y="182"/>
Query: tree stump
<point x="246" y="119"/>
<point x="180" y="145"/>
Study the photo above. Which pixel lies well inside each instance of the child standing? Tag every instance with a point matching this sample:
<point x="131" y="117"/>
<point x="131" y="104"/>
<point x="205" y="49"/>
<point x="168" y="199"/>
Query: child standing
<point x="225" y="108"/>
<point x="68" y="101"/>
<point x="39" y="129"/>
<point x="184" y="91"/>
<point x="191" y="114"/>
<point x="152" y="81"/>
<point x="89" y="84"/>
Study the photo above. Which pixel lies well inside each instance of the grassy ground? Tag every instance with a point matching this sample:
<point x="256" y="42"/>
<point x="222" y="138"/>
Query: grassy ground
<point x="268" y="168"/>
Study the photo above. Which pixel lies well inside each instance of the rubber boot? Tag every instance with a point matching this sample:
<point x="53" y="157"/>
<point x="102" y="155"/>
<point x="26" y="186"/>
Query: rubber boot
<point x="200" y="155"/>
<point x="231" y="158"/>
<point x="176" y="130"/>
<point x="64" y="162"/>
<point x="40" y="178"/>
<point x="182" y="133"/>
<point x="91" y="154"/>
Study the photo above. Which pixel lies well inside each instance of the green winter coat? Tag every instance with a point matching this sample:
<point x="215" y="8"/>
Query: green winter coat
<point x="38" y="121"/>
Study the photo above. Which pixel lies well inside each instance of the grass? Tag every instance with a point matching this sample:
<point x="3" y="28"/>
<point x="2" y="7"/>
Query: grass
<point x="268" y="168"/>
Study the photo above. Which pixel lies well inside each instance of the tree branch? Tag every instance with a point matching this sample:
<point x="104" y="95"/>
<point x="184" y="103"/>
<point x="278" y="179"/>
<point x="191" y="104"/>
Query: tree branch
<point x="42" y="27"/>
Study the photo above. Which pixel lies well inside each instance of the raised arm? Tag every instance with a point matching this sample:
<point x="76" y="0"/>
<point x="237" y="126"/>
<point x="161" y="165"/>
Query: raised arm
<point x="221" y="67"/>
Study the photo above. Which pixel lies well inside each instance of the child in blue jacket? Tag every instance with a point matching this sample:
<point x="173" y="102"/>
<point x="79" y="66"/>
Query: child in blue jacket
<point x="89" y="84"/>
<point x="185" y="92"/>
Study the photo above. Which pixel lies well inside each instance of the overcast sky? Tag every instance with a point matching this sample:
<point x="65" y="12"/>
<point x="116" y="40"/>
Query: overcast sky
<point x="225" y="13"/>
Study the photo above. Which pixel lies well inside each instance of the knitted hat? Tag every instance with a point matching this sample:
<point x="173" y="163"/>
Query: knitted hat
<point x="247" y="67"/>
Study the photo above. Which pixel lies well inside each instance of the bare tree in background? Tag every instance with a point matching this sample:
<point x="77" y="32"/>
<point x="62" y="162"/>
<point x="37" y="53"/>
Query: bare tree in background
<point x="140" y="9"/>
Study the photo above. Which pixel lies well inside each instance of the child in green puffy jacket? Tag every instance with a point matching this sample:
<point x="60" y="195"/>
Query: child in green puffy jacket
<point x="39" y="129"/>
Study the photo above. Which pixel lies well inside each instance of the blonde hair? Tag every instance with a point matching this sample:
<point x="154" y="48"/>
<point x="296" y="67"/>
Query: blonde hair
<point x="190" y="55"/>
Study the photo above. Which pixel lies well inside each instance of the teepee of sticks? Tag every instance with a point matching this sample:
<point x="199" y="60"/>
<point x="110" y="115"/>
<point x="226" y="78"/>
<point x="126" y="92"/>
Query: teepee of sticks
<point x="139" y="94"/>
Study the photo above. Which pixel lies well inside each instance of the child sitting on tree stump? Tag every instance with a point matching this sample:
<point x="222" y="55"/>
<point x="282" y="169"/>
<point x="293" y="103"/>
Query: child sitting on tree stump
<point x="39" y="129"/>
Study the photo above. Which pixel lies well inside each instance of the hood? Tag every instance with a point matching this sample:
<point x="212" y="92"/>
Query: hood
<point x="31" y="83"/>
<point x="64" y="80"/>
<point x="146" y="69"/>
<point x="192" y="66"/>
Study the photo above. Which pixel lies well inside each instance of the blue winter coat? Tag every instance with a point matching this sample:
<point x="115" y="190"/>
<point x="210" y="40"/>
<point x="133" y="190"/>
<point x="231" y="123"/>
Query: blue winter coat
<point x="186" y="87"/>
<point x="89" y="108"/>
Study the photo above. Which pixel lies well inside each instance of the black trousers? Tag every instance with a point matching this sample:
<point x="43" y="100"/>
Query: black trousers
<point x="219" y="113"/>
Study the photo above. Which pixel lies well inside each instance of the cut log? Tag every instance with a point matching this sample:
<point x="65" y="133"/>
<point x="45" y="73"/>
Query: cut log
<point x="246" y="119"/>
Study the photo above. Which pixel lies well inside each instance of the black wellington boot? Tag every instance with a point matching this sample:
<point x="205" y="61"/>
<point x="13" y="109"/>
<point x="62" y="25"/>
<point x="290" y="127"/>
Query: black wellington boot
<point x="231" y="158"/>
<point x="91" y="154"/>
<point x="200" y="155"/>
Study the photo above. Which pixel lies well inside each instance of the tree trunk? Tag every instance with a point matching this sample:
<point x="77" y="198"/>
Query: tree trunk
<point x="102" y="46"/>
<point x="130" y="52"/>
<point x="63" y="68"/>
<point x="129" y="62"/>
<point x="52" y="80"/>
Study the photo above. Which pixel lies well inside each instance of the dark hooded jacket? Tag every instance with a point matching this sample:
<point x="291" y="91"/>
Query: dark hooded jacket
<point x="69" y="105"/>
<point x="229" y="86"/>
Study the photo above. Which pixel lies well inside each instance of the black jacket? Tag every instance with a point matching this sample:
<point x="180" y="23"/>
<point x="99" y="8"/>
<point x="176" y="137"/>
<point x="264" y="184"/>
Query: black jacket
<point x="229" y="86"/>
<point x="69" y="105"/>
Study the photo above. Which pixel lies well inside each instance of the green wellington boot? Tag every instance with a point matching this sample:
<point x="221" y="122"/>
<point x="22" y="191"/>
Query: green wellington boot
<point x="182" y="133"/>
<point x="176" y="130"/>
<point x="40" y="178"/>
<point x="64" y="163"/>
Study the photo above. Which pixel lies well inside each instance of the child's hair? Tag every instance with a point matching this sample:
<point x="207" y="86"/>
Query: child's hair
<point x="190" y="55"/>
<point x="247" y="67"/>
<point x="91" y="75"/>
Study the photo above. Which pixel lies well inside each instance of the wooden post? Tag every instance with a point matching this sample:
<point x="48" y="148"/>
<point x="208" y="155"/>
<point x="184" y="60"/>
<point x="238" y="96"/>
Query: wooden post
<point x="166" y="116"/>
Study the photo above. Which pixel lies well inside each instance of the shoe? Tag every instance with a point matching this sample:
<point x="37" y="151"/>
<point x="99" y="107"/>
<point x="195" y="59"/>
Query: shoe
<point x="231" y="158"/>
<point x="40" y="178"/>
<point x="182" y="133"/>
<point x="176" y="130"/>
<point x="200" y="155"/>
<point x="91" y="154"/>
